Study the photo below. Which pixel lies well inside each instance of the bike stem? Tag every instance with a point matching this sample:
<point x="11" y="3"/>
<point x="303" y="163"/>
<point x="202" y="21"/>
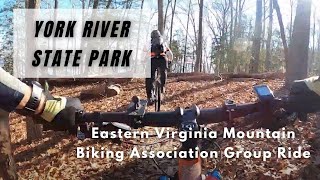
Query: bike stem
<point x="189" y="168"/>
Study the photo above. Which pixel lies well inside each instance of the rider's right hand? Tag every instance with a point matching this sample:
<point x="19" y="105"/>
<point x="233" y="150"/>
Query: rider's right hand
<point x="304" y="96"/>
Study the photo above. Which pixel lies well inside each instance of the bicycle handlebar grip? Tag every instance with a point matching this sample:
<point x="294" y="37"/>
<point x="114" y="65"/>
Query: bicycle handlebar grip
<point x="217" y="115"/>
<point x="97" y="117"/>
<point x="163" y="119"/>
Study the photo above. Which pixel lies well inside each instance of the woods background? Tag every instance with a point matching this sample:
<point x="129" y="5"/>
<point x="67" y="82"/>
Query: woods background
<point x="209" y="36"/>
<point x="218" y="36"/>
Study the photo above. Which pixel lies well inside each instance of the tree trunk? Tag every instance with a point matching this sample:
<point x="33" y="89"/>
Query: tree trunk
<point x="89" y="3"/>
<point x="317" y="69"/>
<point x="186" y="39"/>
<point x="108" y="4"/>
<point x="255" y="59"/>
<point x="34" y="131"/>
<point x="165" y="14"/>
<point x="160" y="16"/>
<point x="268" y="44"/>
<point x="199" y="46"/>
<point x="299" y="47"/>
<point x="312" y="59"/>
<point x="282" y="33"/>
<point x="231" y="44"/>
<point x="138" y="41"/>
<point x="291" y="20"/>
<point x="7" y="164"/>
<point x="237" y="33"/>
<point x="95" y="4"/>
<point x="54" y="41"/>
<point x="172" y="16"/>
<point x="263" y="25"/>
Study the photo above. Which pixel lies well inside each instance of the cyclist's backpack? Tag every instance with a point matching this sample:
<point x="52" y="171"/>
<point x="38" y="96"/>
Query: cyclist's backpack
<point x="157" y="49"/>
<point x="157" y="46"/>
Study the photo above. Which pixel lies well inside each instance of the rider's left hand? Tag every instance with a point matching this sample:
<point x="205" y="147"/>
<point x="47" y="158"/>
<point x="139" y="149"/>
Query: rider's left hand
<point x="272" y="120"/>
<point x="60" y="113"/>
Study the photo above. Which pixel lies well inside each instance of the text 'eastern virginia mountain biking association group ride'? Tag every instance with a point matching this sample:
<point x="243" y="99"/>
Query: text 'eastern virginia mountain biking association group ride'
<point x="189" y="119"/>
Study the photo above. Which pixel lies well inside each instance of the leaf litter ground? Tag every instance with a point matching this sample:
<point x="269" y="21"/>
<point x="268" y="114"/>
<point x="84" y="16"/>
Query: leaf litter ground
<point x="53" y="156"/>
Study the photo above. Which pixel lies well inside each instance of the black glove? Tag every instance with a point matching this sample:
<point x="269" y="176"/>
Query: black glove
<point x="272" y="120"/>
<point x="59" y="113"/>
<point x="65" y="119"/>
<point x="304" y="96"/>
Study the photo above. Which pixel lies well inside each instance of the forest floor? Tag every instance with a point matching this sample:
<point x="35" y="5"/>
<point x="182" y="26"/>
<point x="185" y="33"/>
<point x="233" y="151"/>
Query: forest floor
<point x="53" y="156"/>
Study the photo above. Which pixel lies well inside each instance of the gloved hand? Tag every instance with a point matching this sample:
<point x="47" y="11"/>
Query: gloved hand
<point x="304" y="96"/>
<point x="58" y="113"/>
<point x="270" y="119"/>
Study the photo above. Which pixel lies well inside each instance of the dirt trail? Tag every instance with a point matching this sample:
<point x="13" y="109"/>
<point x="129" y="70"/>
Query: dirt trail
<point x="54" y="155"/>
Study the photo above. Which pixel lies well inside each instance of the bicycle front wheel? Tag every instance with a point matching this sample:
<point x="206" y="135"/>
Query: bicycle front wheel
<point x="157" y="90"/>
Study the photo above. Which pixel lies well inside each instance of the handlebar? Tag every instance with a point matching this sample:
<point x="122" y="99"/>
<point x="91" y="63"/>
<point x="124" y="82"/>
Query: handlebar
<point x="187" y="119"/>
<point x="137" y="117"/>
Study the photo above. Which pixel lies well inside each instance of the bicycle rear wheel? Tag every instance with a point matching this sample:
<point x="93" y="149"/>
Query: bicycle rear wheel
<point x="157" y="92"/>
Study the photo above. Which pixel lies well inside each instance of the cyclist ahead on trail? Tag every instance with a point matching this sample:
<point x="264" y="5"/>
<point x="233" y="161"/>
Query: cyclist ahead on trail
<point x="161" y="55"/>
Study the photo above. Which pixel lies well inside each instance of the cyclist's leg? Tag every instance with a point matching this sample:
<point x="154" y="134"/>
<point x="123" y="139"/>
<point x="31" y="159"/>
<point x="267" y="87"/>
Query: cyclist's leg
<point x="149" y="81"/>
<point x="148" y="87"/>
<point x="163" y="80"/>
<point x="163" y="69"/>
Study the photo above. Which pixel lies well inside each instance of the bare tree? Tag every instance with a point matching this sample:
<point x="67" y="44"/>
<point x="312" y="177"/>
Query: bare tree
<point x="317" y="70"/>
<point x="282" y="33"/>
<point x="231" y="34"/>
<point x="172" y="16"/>
<point x="263" y="24"/>
<point x="108" y="4"/>
<point x="165" y="14"/>
<point x="186" y="38"/>
<point x="160" y="16"/>
<point x="268" y="44"/>
<point x="219" y="27"/>
<point x="89" y="3"/>
<point x="237" y="28"/>
<point x="291" y="19"/>
<point x="299" y="46"/>
<point x="255" y="60"/>
<point x="95" y="4"/>
<point x="141" y="7"/>
<point x="199" y="47"/>
<point x="312" y="59"/>
<point x="192" y="37"/>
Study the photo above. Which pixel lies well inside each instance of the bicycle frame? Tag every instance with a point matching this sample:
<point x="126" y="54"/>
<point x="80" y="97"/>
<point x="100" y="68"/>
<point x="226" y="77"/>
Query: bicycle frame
<point x="185" y="119"/>
<point x="156" y="91"/>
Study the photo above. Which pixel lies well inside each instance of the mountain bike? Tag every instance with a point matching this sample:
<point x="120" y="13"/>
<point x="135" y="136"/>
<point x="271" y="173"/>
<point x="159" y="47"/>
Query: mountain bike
<point x="189" y="119"/>
<point x="156" y="90"/>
